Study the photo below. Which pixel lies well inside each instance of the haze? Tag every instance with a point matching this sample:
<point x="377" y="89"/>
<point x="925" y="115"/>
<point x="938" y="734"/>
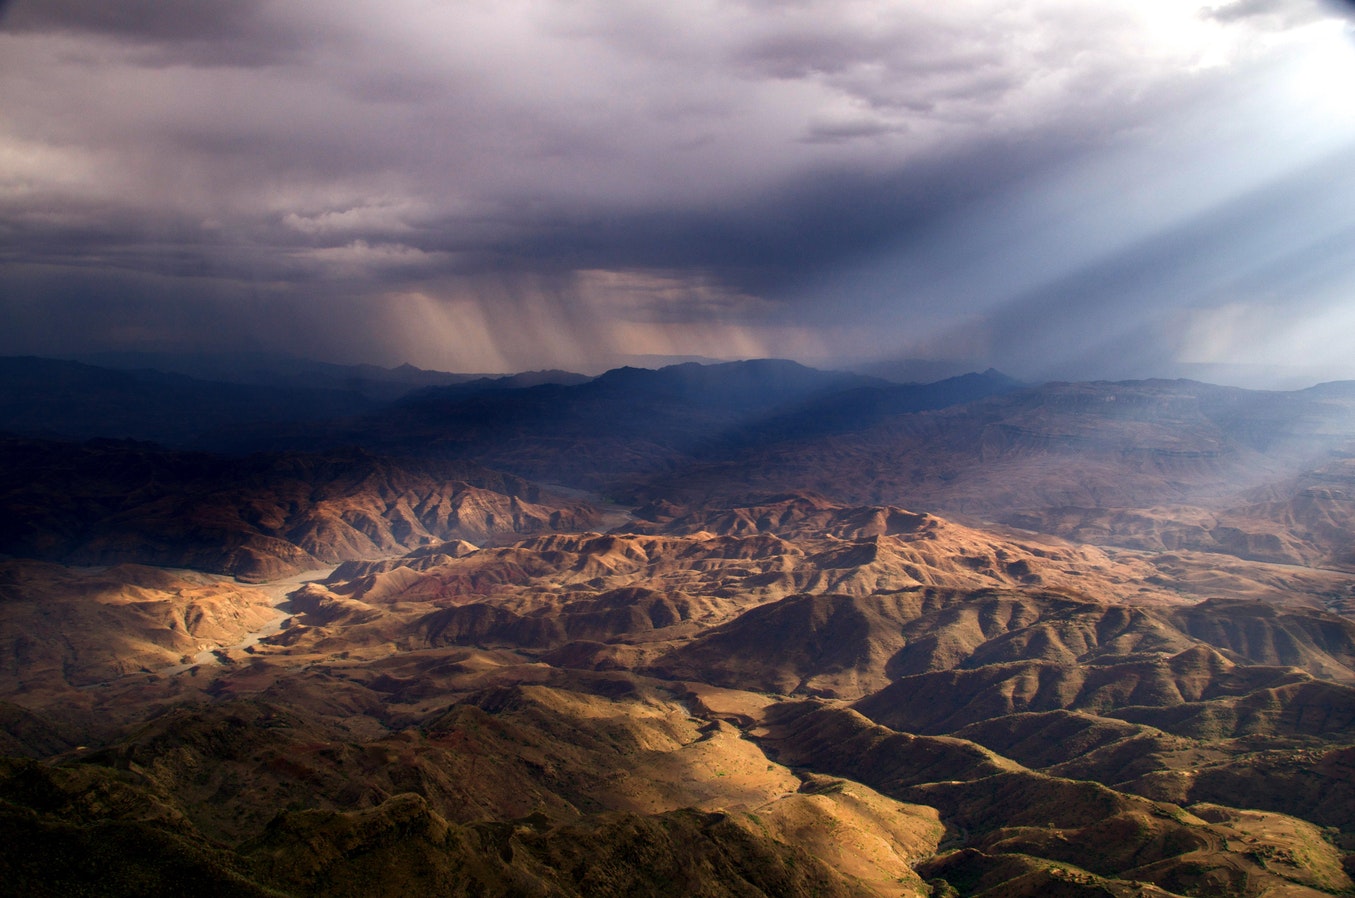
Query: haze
<point x="1057" y="189"/>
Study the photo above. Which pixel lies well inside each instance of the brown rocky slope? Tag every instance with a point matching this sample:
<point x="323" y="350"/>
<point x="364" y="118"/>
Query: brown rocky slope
<point x="664" y="709"/>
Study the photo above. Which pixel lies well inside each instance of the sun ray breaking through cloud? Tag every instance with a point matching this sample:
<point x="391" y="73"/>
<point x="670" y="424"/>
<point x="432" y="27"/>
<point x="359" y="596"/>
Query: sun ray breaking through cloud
<point x="528" y="184"/>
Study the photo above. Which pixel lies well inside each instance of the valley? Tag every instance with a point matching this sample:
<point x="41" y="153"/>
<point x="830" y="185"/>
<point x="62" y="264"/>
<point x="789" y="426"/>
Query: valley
<point x="727" y="630"/>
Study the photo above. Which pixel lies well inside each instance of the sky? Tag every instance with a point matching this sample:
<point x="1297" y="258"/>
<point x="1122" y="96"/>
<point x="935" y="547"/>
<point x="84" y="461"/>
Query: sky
<point x="1057" y="188"/>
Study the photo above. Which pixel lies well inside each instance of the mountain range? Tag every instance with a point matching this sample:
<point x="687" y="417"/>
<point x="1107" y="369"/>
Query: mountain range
<point x="740" y="629"/>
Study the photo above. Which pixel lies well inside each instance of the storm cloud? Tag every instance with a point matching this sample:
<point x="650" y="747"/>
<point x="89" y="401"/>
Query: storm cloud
<point x="1059" y="188"/>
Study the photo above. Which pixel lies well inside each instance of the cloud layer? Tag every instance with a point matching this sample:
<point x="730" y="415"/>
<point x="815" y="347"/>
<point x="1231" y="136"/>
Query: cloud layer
<point x="1052" y="186"/>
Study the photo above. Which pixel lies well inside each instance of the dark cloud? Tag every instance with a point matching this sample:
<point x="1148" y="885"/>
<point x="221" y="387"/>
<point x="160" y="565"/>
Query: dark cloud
<point x="537" y="184"/>
<point x="142" y="19"/>
<point x="1279" y="13"/>
<point x="821" y="221"/>
<point x="843" y="131"/>
<point x="236" y="33"/>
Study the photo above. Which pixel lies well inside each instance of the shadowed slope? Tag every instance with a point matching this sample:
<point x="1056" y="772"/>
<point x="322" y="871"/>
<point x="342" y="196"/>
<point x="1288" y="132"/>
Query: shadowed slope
<point x="258" y="518"/>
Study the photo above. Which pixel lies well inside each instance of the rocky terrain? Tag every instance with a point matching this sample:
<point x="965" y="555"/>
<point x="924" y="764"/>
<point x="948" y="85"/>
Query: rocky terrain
<point x="1109" y="650"/>
<point x="258" y="517"/>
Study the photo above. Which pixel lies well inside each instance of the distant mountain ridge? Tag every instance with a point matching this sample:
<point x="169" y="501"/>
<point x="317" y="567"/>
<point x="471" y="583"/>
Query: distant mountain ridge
<point x="62" y="399"/>
<point x="669" y="414"/>
<point x="276" y="370"/>
<point x="634" y="422"/>
<point x="55" y="398"/>
<point x="1090" y="445"/>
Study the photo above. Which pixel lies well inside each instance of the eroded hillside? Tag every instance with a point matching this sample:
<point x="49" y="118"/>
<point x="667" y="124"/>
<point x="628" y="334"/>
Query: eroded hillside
<point x="856" y="639"/>
<point x="782" y="697"/>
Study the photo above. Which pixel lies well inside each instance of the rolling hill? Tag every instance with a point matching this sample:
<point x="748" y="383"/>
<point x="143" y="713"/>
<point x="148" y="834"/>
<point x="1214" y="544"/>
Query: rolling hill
<point x="851" y="638"/>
